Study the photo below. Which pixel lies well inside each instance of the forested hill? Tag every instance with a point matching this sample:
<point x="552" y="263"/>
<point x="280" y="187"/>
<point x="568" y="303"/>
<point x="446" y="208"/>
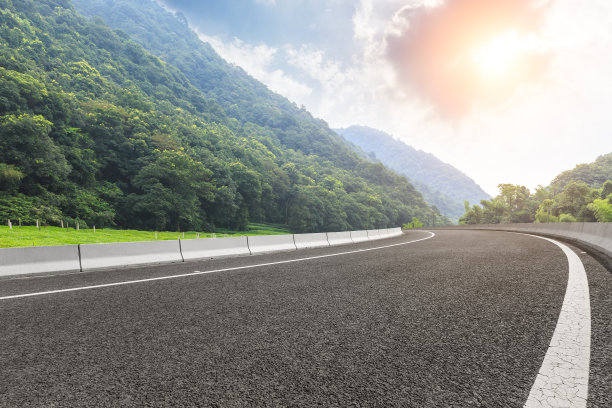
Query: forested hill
<point x="240" y="95"/>
<point x="583" y="194"/>
<point x="440" y="183"/>
<point x="95" y="128"/>
<point x="593" y="174"/>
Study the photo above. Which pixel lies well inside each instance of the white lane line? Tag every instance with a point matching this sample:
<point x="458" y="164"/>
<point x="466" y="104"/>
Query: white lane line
<point x="563" y="379"/>
<point x="183" y="275"/>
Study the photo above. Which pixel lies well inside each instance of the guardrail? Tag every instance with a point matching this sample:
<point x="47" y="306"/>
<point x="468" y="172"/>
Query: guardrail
<point x="85" y="257"/>
<point x="597" y="235"/>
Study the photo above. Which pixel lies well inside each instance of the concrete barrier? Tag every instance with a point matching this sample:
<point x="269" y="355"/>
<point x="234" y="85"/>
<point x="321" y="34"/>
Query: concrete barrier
<point x="374" y="234"/>
<point x="16" y="261"/>
<point x="339" y="238"/>
<point x="95" y="256"/>
<point x="395" y="232"/>
<point x="21" y="261"/>
<point x="359" y="236"/>
<point x="271" y="243"/>
<point x="599" y="235"/>
<point x="595" y="234"/>
<point x="214" y="247"/>
<point x="303" y="241"/>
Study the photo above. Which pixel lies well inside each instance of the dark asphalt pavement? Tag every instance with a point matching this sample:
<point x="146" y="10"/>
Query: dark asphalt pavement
<point x="462" y="319"/>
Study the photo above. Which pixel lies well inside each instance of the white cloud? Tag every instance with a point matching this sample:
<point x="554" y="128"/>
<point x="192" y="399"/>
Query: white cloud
<point x="544" y="129"/>
<point x="258" y="61"/>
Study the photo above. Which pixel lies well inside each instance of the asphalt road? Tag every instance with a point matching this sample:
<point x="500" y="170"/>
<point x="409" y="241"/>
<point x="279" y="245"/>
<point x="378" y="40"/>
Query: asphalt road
<point x="462" y="319"/>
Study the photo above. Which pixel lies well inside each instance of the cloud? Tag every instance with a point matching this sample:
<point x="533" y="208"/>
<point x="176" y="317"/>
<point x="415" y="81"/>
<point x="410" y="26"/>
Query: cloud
<point x="541" y="123"/>
<point x="432" y="46"/>
<point x="259" y="61"/>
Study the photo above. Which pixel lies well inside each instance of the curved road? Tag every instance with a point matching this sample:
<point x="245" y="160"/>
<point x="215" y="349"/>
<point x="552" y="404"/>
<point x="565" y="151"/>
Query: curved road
<point x="464" y="318"/>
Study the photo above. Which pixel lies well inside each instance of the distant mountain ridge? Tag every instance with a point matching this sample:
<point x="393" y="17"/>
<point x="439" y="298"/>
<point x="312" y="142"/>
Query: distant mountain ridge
<point x="594" y="174"/>
<point x="441" y="184"/>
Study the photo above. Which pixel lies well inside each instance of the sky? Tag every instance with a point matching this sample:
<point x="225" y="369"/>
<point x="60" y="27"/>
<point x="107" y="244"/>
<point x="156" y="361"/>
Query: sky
<point x="507" y="91"/>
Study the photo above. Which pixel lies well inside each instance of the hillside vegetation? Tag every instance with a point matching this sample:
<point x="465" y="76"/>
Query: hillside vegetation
<point x="593" y="174"/>
<point x="440" y="183"/>
<point x="95" y="128"/>
<point x="582" y="194"/>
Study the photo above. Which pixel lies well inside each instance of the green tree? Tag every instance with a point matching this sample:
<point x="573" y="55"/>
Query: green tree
<point x="10" y="178"/>
<point x="574" y="200"/>
<point x="174" y="192"/>
<point x="515" y="201"/>
<point x="25" y="144"/>
<point x="567" y="218"/>
<point x="545" y="212"/>
<point x="472" y="215"/>
<point x="606" y="189"/>
<point x="602" y="209"/>
<point x="415" y="223"/>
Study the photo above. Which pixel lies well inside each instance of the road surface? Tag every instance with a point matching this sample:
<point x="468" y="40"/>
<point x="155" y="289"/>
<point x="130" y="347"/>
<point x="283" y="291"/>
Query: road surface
<point x="459" y="319"/>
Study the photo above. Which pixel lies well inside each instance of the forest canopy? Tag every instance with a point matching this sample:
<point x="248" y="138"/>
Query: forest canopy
<point x="95" y="128"/>
<point x="583" y="194"/>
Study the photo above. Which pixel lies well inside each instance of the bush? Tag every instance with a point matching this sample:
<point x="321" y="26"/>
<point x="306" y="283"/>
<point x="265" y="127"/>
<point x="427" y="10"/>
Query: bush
<point x="416" y="223"/>
<point x="567" y="218"/>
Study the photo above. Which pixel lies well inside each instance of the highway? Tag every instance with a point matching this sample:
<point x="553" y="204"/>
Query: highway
<point x="456" y="319"/>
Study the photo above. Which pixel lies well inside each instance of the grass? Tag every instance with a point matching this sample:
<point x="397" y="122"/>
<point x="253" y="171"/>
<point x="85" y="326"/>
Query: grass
<point x="28" y="236"/>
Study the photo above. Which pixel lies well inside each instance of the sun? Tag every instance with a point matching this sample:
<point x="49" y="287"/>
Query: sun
<point x="497" y="58"/>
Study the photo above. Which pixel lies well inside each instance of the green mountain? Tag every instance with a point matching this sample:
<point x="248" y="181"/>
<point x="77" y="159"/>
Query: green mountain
<point x="440" y="183"/>
<point x="95" y="128"/>
<point x="594" y="174"/>
<point x="242" y="97"/>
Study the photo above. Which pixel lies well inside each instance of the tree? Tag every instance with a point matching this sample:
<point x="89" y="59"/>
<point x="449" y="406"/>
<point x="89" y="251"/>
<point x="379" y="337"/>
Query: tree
<point x="10" y="178"/>
<point x="566" y="218"/>
<point x="606" y="190"/>
<point x="174" y="192"/>
<point x="472" y="215"/>
<point x="415" y="223"/>
<point x="515" y="201"/>
<point x="602" y="210"/>
<point x="249" y="186"/>
<point x="574" y="200"/>
<point x="544" y="213"/>
<point x="25" y="144"/>
<point x="492" y="211"/>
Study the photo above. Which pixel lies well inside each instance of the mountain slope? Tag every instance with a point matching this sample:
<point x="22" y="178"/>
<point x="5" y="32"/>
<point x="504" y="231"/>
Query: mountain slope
<point x="95" y="128"/>
<point x="241" y="96"/>
<point x="594" y="174"/>
<point x="440" y="183"/>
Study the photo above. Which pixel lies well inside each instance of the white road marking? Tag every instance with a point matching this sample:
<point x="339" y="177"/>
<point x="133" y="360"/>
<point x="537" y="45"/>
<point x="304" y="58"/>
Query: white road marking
<point x="563" y="379"/>
<point x="183" y="275"/>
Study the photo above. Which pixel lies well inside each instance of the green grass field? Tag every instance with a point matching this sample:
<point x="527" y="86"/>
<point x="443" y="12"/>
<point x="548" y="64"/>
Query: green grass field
<point x="30" y="236"/>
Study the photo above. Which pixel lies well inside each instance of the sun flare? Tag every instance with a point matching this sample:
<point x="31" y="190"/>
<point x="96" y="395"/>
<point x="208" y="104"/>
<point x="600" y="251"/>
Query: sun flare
<point x="497" y="57"/>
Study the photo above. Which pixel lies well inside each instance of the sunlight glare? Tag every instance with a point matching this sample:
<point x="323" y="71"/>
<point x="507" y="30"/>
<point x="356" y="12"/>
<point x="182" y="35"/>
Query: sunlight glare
<point x="497" y="58"/>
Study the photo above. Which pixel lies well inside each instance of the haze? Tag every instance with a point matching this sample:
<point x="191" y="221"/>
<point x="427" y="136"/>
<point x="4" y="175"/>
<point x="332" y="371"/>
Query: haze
<point x="508" y="91"/>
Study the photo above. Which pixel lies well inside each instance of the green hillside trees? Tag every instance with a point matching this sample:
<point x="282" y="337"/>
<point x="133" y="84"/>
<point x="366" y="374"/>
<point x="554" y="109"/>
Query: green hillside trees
<point x="95" y="128"/>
